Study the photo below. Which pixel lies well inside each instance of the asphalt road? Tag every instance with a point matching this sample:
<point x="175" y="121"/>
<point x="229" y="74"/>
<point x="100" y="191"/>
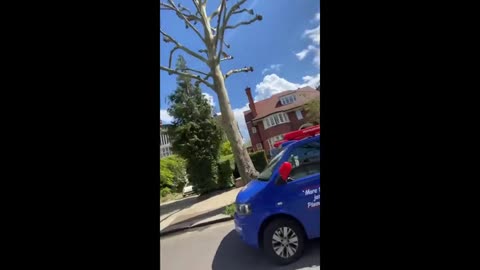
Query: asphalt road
<point x="218" y="247"/>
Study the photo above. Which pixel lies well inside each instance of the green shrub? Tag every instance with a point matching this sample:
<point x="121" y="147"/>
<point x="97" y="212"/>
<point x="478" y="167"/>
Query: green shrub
<point x="229" y="210"/>
<point x="165" y="191"/>
<point x="225" y="148"/>
<point x="259" y="160"/>
<point x="203" y="174"/>
<point x="225" y="176"/>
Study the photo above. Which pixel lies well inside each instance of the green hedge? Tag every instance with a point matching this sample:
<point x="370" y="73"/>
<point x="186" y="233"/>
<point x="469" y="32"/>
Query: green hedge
<point x="225" y="174"/>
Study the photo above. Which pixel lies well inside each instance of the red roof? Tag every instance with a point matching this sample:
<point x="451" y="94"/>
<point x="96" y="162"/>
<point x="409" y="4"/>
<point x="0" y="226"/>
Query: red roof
<point x="272" y="105"/>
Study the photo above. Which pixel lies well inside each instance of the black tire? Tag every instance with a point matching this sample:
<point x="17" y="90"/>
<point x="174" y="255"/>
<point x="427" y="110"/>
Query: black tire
<point x="272" y="246"/>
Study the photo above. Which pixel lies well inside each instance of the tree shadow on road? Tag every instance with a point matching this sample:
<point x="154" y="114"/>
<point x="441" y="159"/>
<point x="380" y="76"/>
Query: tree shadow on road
<point x="177" y="205"/>
<point x="233" y="254"/>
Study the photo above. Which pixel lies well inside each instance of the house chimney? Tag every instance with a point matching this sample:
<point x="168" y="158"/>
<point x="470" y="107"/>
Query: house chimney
<point x="250" y="101"/>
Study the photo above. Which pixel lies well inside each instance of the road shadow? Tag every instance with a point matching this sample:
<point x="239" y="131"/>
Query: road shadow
<point x="166" y="209"/>
<point x="185" y="221"/>
<point x="233" y="254"/>
<point x="169" y="208"/>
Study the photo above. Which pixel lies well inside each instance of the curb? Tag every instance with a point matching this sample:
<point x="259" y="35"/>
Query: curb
<point x="195" y="226"/>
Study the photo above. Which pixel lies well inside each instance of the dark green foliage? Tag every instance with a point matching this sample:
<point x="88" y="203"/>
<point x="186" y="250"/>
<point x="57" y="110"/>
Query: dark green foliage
<point x="259" y="160"/>
<point x="225" y="174"/>
<point x="195" y="134"/>
<point x="173" y="173"/>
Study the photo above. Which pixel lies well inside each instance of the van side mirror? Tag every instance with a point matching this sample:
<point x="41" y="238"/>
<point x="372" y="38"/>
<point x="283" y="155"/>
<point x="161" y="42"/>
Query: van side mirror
<point x="285" y="170"/>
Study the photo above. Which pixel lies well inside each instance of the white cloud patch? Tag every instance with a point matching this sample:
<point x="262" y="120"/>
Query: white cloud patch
<point x="272" y="84"/>
<point x="301" y="55"/>
<point x="311" y="81"/>
<point x="165" y="117"/>
<point x="210" y="99"/>
<point x="274" y="67"/>
<point x="242" y="125"/>
<point x="314" y="36"/>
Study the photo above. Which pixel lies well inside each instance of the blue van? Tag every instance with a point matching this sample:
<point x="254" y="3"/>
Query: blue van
<point x="280" y="210"/>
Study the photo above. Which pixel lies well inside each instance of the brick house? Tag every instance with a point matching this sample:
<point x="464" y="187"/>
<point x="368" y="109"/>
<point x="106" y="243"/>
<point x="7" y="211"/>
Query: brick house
<point x="268" y="119"/>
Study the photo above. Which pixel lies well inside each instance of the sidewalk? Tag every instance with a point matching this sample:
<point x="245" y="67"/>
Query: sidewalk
<point x="201" y="213"/>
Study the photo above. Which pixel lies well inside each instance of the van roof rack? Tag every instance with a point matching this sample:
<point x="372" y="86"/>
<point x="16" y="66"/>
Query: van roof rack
<point x="298" y="135"/>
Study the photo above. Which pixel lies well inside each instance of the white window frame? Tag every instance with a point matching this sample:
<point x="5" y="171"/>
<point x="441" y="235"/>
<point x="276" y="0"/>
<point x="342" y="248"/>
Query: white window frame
<point x="254" y="130"/>
<point x="288" y="99"/>
<point x="259" y="146"/>
<point x="299" y="114"/>
<point x="275" y="119"/>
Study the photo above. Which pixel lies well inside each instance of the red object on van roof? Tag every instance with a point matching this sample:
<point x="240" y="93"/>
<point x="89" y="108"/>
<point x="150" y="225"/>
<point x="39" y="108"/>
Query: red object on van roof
<point x="298" y="135"/>
<point x="301" y="134"/>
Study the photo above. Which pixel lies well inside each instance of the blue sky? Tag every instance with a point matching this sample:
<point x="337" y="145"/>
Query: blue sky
<point x="283" y="49"/>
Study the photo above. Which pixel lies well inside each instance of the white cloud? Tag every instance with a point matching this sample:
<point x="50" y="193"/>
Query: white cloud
<point x="272" y="84"/>
<point x="313" y="34"/>
<point x="311" y="81"/>
<point x="165" y="117"/>
<point x="301" y="55"/>
<point x="274" y="67"/>
<point x="239" y="116"/>
<point x="209" y="98"/>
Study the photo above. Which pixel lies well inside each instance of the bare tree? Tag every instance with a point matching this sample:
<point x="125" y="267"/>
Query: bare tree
<point x="212" y="56"/>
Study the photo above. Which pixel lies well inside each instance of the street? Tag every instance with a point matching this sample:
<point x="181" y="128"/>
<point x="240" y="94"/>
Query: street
<point x="218" y="247"/>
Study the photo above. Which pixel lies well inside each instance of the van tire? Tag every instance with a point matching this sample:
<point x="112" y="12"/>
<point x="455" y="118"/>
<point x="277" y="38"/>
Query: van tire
<point x="274" y="231"/>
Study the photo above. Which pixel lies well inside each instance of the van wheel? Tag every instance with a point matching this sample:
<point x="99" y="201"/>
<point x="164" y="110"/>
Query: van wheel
<point x="283" y="241"/>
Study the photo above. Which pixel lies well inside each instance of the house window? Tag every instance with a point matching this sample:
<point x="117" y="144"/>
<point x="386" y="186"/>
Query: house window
<point x="274" y="139"/>
<point x="275" y="119"/>
<point x="299" y="115"/>
<point x="259" y="146"/>
<point x="288" y="99"/>
<point x="254" y="130"/>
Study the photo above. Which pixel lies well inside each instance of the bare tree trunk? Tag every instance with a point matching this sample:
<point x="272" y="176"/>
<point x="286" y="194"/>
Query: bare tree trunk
<point x="245" y="166"/>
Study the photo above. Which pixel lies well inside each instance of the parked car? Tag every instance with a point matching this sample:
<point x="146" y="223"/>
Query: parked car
<point x="280" y="210"/>
<point x="187" y="190"/>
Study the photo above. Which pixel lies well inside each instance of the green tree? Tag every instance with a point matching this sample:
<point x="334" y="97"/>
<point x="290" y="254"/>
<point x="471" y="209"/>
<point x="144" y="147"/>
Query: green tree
<point x="195" y="135"/>
<point x="214" y="25"/>
<point x="313" y="111"/>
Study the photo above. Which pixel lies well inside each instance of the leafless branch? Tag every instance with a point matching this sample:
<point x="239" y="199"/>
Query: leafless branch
<point x="245" y="69"/>
<point x="184" y="18"/>
<point x="257" y="18"/>
<point x="186" y="74"/>
<point x="223" y="8"/>
<point x="168" y="39"/>
<point x="221" y="31"/>
<point x="234" y="8"/>
<point x="198" y="71"/>
<point x="171" y="54"/>
<point x="250" y="11"/>
<point x="226" y="57"/>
